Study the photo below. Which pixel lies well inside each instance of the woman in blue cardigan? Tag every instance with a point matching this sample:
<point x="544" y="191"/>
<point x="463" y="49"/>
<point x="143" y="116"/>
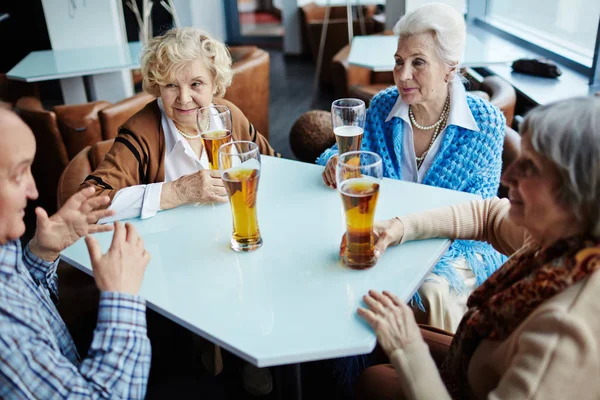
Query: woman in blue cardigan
<point x="429" y="130"/>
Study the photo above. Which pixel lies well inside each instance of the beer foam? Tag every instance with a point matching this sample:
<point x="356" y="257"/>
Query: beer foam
<point x="216" y="134"/>
<point x="369" y="184"/>
<point x="348" y="130"/>
<point x="250" y="164"/>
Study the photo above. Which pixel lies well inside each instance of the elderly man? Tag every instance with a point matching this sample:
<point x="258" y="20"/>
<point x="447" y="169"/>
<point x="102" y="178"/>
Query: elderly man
<point x="38" y="358"/>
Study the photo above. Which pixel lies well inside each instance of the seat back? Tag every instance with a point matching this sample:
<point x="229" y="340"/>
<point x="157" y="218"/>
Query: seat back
<point x="249" y="89"/>
<point x="79" y="168"/>
<point x="115" y="115"/>
<point x="79" y="125"/>
<point x="50" y="156"/>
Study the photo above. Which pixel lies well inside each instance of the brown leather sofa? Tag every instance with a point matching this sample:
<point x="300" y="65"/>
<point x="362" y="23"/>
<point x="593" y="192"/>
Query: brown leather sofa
<point x="249" y="89"/>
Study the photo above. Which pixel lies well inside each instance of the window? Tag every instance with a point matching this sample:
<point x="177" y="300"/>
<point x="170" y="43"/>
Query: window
<point x="567" y="27"/>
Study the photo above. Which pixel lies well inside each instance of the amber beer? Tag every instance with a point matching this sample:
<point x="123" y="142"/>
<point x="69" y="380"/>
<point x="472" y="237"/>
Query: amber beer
<point x="359" y="196"/>
<point x="212" y="141"/>
<point x="241" y="183"/>
<point x="348" y="138"/>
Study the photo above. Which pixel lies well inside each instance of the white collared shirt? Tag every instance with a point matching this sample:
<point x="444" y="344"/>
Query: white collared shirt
<point x="460" y="115"/>
<point x="144" y="200"/>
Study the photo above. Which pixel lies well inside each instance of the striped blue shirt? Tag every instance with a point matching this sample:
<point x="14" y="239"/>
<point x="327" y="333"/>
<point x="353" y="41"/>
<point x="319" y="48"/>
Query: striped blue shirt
<point x="38" y="358"/>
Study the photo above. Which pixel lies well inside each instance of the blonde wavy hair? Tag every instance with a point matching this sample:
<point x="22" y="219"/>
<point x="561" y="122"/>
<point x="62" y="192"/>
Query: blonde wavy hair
<point x="167" y="55"/>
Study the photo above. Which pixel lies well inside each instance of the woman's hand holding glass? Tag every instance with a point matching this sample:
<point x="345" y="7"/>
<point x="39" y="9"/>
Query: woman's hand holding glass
<point x="391" y="319"/>
<point x="329" y="172"/>
<point x="204" y="186"/>
<point x="387" y="233"/>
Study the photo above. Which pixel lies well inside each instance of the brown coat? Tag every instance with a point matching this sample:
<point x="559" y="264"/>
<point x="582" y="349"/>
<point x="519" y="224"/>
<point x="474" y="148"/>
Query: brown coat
<point x="137" y="156"/>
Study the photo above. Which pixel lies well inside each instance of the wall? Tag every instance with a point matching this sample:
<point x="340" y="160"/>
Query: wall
<point x="206" y="14"/>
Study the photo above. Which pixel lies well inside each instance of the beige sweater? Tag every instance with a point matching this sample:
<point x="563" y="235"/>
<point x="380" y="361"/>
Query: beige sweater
<point x="553" y="354"/>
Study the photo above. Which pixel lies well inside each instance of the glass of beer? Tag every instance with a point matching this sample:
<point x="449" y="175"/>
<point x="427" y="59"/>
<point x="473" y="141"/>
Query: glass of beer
<point x="214" y="125"/>
<point x="348" y="119"/>
<point x="239" y="164"/>
<point x="358" y="176"/>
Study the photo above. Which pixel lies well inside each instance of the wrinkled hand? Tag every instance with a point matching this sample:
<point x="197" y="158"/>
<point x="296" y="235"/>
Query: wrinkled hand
<point x="204" y="186"/>
<point x="329" y="173"/>
<point x="76" y="218"/>
<point x="391" y="319"/>
<point x="122" y="268"/>
<point x="387" y="233"/>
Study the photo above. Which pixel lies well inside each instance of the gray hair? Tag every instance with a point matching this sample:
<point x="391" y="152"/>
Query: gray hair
<point x="446" y="24"/>
<point x="567" y="132"/>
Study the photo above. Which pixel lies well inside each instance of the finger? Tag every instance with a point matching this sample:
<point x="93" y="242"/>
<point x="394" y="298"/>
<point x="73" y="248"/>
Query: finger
<point x="95" y="228"/>
<point x="41" y="216"/>
<point x="94" y="203"/>
<point x="93" y="248"/>
<point x="218" y="182"/>
<point x="219" y="191"/>
<point x="373" y="304"/>
<point x="119" y="235"/>
<point x="343" y="246"/>
<point x="131" y="234"/>
<point x="325" y="178"/>
<point x="383" y="300"/>
<point x="95" y="216"/>
<point x="367" y="315"/>
<point x="331" y="177"/>
<point x="394" y="299"/>
<point x="75" y="201"/>
<point x="214" y="173"/>
<point x="217" y="199"/>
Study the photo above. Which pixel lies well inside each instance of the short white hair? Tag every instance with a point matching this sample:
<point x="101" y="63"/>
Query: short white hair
<point x="567" y="132"/>
<point x="445" y="23"/>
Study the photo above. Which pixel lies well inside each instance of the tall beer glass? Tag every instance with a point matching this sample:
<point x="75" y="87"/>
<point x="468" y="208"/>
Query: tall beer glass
<point x="214" y="125"/>
<point x="239" y="164"/>
<point x="348" y="119"/>
<point x="358" y="176"/>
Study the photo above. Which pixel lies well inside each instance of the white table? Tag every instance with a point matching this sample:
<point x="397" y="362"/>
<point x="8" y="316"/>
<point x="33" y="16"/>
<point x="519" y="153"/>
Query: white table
<point x="376" y="52"/>
<point x="290" y="301"/>
<point x="48" y="65"/>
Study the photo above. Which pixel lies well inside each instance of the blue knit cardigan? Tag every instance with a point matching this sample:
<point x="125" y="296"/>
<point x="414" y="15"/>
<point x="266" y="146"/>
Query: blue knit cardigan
<point x="468" y="161"/>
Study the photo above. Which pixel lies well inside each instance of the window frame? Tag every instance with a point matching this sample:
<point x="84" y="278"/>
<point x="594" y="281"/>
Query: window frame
<point x="476" y="14"/>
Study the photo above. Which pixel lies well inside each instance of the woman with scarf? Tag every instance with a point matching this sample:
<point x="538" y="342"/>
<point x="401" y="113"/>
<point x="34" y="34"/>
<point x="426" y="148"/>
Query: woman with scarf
<point x="429" y="130"/>
<point x="532" y="330"/>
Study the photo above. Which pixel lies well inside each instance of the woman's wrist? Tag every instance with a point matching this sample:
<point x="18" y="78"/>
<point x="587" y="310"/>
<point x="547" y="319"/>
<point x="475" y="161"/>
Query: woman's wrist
<point x="170" y="196"/>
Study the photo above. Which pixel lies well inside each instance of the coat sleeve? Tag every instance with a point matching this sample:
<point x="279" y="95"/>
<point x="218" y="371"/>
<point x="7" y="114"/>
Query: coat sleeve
<point x="125" y="165"/>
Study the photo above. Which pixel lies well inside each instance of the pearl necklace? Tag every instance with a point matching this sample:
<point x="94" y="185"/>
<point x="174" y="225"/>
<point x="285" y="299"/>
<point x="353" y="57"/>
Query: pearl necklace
<point x="445" y="111"/>
<point x="192" y="137"/>
<point x="439" y="126"/>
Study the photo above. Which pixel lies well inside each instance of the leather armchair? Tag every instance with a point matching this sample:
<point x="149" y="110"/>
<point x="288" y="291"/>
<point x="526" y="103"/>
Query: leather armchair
<point x="115" y="115"/>
<point x="79" y="168"/>
<point x="51" y="154"/>
<point x="79" y="125"/>
<point x="249" y="89"/>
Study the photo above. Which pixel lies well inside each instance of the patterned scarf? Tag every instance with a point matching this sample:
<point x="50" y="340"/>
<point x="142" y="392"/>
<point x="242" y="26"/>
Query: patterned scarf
<point x="510" y="295"/>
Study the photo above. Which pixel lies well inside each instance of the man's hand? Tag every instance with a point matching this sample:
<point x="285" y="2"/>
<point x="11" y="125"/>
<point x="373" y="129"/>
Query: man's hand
<point x="76" y="218"/>
<point x="122" y="268"/>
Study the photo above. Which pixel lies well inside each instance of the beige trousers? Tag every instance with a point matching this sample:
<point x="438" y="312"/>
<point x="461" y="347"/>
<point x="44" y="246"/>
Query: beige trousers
<point x="444" y="308"/>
